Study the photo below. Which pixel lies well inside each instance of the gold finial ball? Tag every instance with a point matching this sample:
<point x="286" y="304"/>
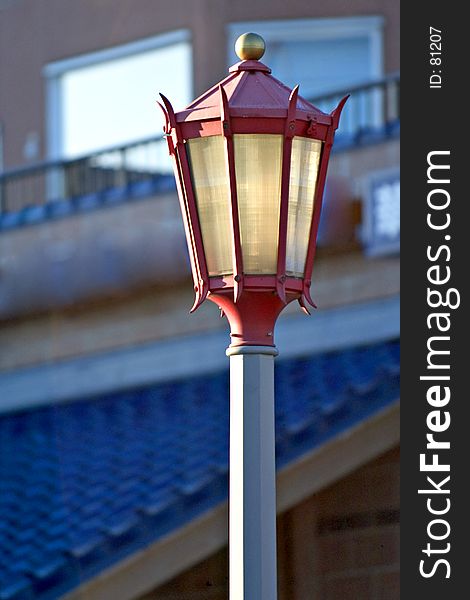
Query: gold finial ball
<point x="250" y="46"/>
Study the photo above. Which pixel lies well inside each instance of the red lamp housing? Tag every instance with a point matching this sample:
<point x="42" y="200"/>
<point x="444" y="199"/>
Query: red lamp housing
<point x="250" y="158"/>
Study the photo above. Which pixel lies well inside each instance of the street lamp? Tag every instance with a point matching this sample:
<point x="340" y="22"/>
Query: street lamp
<point x="250" y="158"/>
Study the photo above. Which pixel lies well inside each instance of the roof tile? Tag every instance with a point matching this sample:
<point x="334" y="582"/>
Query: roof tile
<point x="87" y="483"/>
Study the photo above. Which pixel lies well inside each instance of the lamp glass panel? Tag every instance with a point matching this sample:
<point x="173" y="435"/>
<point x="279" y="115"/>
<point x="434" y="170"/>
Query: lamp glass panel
<point x="305" y="160"/>
<point x="258" y="174"/>
<point x="211" y="188"/>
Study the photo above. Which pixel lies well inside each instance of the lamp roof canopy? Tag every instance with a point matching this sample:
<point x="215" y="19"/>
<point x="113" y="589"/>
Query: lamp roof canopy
<point x="251" y="91"/>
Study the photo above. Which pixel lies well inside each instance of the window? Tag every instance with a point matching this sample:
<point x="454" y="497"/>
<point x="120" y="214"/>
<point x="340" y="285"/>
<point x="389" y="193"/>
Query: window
<point x="323" y="55"/>
<point x="107" y="98"/>
<point x="381" y="213"/>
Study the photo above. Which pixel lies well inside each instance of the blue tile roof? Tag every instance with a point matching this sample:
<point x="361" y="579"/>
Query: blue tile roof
<point x="83" y="485"/>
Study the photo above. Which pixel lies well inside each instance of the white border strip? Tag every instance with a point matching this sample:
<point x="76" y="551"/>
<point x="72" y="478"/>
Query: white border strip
<point x="308" y="29"/>
<point x="194" y="355"/>
<point x="59" y="67"/>
<point x="316" y="29"/>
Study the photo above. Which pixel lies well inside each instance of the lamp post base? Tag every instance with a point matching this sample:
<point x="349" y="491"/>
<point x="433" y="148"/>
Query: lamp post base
<point x="252" y="497"/>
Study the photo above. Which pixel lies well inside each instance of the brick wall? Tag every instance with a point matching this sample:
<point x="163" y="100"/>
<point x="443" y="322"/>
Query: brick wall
<point x="358" y="534"/>
<point x="340" y="544"/>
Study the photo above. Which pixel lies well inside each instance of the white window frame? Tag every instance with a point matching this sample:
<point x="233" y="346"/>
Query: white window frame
<point x="53" y="73"/>
<point x="316" y="30"/>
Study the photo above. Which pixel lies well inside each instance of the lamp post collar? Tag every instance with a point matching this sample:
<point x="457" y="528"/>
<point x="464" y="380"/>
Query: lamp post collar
<point x="249" y="65"/>
<point x="240" y="350"/>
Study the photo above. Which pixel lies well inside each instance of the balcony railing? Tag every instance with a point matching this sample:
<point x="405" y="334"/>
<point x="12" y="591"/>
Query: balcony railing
<point x="111" y="173"/>
<point x="142" y="168"/>
<point x="371" y="114"/>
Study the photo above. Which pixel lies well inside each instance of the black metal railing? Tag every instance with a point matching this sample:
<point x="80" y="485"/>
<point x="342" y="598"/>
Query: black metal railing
<point x="143" y="167"/>
<point x="114" y="168"/>
<point x="371" y="113"/>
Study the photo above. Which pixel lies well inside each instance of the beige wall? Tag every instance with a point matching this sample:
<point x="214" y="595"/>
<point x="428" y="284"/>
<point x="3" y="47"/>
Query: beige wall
<point x="339" y="544"/>
<point x="156" y="313"/>
<point x="33" y="34"/>
<point x="81" y="311"/>
<point x="116" y="250"/>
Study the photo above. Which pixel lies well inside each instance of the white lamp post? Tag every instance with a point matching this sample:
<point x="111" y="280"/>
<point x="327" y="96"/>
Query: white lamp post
<point x="250" y="158"/>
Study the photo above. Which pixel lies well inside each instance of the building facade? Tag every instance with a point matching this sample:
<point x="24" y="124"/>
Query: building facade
<point x="113" y="428"/>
